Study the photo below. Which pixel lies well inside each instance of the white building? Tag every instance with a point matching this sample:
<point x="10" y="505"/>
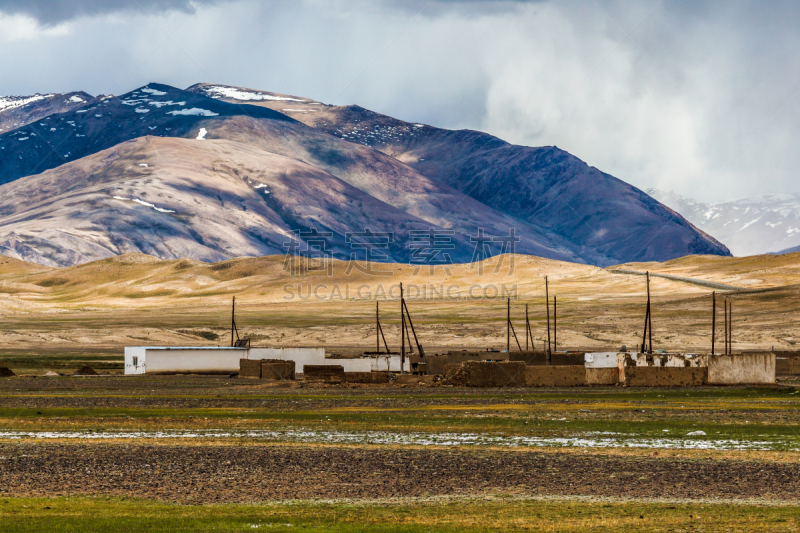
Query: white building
<point x="225" y="360"/>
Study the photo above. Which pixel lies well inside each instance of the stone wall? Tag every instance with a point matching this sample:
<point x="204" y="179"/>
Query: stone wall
<point x="663" y="376"/>
<point x="555" y="376"/>
<point x="745" y="368"/>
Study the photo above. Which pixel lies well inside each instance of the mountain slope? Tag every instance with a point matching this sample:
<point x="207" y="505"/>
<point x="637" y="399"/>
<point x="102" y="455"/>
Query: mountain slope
<point x="67" y="136"/>
<point x="235" y="184"/>
<point x="750" y="226"/>
<point x="603" y="219"/>
<point x="214" y="172"/>
<point x="19" y="111"/>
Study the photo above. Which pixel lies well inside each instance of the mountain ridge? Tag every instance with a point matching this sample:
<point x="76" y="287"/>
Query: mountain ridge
<point x="458" y="183"/>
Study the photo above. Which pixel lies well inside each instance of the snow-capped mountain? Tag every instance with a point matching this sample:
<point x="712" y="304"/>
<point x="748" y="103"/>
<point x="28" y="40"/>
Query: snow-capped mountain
<point x="214" y="172"/>
<point x="749" y="226"/>
<point x="19" y="111"/>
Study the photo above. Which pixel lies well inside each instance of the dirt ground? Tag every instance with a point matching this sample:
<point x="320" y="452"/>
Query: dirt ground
<point x="247" y="473"/>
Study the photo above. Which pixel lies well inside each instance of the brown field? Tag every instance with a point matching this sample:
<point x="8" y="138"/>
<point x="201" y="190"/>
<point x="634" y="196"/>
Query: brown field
<point x="98" y="308"/>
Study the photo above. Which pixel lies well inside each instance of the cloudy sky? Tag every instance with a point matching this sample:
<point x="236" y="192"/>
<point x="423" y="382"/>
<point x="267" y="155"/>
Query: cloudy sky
<point x="699" y="97"/>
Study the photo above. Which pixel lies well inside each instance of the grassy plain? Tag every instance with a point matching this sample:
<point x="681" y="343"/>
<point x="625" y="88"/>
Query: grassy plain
<point x="469" y="515"/>
<point x="188" y="452"/>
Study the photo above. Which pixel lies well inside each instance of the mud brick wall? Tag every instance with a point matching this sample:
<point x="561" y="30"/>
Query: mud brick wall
<point x="602" y="376"/>
<point x="486" y="374"/>
<point x="787" y="364"/>
<point x="540" y="358"/>
<point x="555" y="376"/>
<point x="741" y="368"/>
<point x="277" y="369"/>
<point x="250" y="368"/>
<point x="367" y="377"/>
<point x="334" y="373"/>
<point x="664" y="376"/>
<point x="435" y="364"/>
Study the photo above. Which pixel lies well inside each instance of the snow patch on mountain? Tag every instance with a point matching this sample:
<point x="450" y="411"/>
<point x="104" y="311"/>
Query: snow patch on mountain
<point x="748" y="226"/>
<point x="11" y="102"/>
<point x="194" y="111"/>
<point x="154" y="92"/>
<point x="221" y="91"/>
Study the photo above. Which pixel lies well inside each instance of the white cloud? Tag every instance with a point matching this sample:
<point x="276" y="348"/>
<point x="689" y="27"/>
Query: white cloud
<point x="672" y="95"/>
<point x="23" y="28"/>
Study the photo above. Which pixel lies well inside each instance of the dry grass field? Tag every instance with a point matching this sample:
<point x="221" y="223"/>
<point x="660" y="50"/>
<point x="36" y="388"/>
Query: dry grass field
<point x="194" y="453"/>
<point x="97" y="308"/>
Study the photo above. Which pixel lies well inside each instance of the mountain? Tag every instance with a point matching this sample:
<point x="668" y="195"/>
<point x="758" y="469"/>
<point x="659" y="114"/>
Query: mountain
<point x="237" y="182"/>
<point x="19" y="111"/>
<point x="749" y="226"/>
<point x="604" y="219"/>
<point x="214" y="172"/>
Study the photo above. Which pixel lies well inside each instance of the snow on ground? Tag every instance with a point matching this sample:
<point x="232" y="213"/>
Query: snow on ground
<point x="142" y="110"/>
<point x="154" y="92"/>
<point x="10" y="102"/>
<point x="76" y="99"/>
<point x="194" y="111"/>
<point x="166" y="102"/>
<point x="142" y="202"/>
<point x="201" y="135"/>
<point x="218" y="91"/>
<point x="588" y="440"/>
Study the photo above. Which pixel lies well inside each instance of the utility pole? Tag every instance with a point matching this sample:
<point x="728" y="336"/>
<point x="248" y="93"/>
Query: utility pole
<point x="402" y="333"/>
<point x="508" y="325"/>
<point x="713" y="319"/>
<point x="377" y="328"/>
<point x="233" y="321"/>
<point x="527" y="327"/>
<point x="555" y="323"/>
<point x="547" y="305"/>
<point x="648" y="323"/>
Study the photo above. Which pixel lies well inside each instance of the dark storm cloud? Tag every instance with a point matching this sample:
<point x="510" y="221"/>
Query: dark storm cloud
<point x="49" y="12"/>
<point x="702" y="97"/>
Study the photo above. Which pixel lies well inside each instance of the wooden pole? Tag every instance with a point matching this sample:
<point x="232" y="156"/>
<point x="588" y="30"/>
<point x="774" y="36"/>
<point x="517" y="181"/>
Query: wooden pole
<point x="555" y="323"/>
<point x="508" y="325"/>
<point x="649" y="316"/>
<point x="414" y="331"/>
<point x="713" y="319"/>
<point x="402" y="333"/>
<point x="527" y="327"/>
<point x="730" y="329"/>
<point x="233" y="319"/>
<point x="646" y="318"/>
<point x="377" y="328"/>
<point x="547" y="305"/>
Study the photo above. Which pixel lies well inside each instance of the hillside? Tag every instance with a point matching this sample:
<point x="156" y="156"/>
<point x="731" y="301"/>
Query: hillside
<point x="605" y="219"/>
<point x="19" y="111"/>
<point x="216" y="172"/>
